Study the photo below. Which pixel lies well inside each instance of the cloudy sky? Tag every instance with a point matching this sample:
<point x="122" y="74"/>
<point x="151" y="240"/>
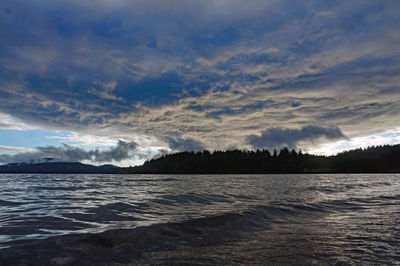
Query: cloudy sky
<point x="121" y="81"/>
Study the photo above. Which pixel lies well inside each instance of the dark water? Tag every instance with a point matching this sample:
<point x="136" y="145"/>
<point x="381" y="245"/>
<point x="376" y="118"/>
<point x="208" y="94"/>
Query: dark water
<point x="200" y="219"/>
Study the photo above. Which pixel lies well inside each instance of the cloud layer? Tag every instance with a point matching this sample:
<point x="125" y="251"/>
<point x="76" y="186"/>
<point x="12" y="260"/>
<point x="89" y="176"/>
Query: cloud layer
<point x="275" y="138"/>
<point x="123" y="150"/>
<point x="201" y="74"/>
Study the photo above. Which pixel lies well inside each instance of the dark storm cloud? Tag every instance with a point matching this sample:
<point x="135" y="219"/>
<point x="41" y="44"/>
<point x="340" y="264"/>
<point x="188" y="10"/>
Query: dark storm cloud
<point x="184" y="144"/>
<point x="123" y="150"/>
<point x="284" y="137"/>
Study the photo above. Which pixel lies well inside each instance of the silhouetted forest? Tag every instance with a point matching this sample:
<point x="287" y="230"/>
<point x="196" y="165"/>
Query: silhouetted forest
<point x="370" y="160"/>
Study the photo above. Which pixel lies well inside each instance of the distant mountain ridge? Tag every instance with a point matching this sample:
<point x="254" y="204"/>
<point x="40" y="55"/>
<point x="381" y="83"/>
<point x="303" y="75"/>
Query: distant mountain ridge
<point x="59" y="167"/>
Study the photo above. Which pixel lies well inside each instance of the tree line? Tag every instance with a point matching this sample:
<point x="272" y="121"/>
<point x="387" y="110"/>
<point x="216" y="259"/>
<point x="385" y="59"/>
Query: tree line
<point x="369" y="160"/>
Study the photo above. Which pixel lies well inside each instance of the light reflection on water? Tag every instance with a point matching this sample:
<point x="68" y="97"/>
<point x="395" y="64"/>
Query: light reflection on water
<point x="358" y="214"/>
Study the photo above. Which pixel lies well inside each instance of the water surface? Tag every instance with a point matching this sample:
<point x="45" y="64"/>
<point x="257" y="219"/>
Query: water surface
<point x="200" y="219"/>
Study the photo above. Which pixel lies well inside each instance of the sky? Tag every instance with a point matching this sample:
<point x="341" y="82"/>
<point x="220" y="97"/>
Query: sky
<point x="123" y="81"/>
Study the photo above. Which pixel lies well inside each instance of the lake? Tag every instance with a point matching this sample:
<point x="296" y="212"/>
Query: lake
<point x="334" y="219"/>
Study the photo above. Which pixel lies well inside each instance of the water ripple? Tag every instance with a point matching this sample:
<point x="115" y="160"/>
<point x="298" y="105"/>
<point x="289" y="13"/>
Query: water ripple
<point x="330" y="218"/>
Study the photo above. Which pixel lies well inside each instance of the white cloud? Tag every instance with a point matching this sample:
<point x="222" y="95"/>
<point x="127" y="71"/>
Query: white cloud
<point x="86" y="139"/>
<point x="390" y="137"/>
<point x="12" y="123"/>
<point x="15" y="149"/>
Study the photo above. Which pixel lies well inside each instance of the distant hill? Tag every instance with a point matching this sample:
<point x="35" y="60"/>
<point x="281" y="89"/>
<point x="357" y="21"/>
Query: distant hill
<point x="59" y="167"/>
<point x="381" y="159"/>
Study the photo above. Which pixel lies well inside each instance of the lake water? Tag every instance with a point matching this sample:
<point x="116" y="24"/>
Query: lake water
<point x="200" y="219"/>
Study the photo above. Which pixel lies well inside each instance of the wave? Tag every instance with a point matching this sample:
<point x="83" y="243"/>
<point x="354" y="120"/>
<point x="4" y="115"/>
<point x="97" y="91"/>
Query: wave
<point x="10" y="203"/>
<point x="190" y="198"/>
<point x="169" y="179"/>
<point x="132" y="245"/>
<point x="111" y="212"/>
<point x="64" y="188"/>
